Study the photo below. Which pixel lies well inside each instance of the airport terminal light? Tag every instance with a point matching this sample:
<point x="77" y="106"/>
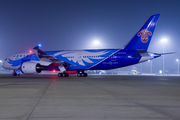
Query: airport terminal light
<point x="177" y="60"/>
<point x="164" y="40"/>
<point x="96" y="42"/>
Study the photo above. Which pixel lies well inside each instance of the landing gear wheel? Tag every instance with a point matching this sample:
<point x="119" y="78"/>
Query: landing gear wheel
<point x="79" y="75"/>
<point x="14" y="74"/>
<point x="63" y="75"/>
<point x="59" y="75"/>
<point x="82" y="74"/>
<point x="85" y="74"/>
<point x="66" y="75"/>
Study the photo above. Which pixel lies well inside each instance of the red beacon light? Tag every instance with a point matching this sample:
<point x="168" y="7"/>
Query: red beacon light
<point x="54" y="70"/>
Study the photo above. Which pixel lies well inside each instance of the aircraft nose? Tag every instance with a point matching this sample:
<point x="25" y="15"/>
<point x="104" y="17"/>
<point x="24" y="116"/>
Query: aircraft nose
<point x="4" y="64"/>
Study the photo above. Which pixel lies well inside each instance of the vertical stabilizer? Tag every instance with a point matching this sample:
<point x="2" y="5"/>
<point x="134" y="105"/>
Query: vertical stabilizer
<point x="143" y="37"/>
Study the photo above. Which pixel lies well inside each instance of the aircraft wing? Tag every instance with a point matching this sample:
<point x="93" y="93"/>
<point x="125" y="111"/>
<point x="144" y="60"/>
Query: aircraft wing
<point x="44" y="57"/>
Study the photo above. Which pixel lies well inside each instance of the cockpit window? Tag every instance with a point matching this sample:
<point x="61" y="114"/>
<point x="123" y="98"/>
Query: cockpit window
<point x="5" y="59"/>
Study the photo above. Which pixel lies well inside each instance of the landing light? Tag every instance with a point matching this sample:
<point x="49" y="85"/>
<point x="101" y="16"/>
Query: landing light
<point x="151" y="55"/>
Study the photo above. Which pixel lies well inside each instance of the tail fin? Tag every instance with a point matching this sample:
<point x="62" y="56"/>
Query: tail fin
<point x="143" y="37"/>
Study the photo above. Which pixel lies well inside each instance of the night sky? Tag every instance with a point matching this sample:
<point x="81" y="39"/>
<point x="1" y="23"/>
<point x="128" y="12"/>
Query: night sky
<point x="75" y="24"/>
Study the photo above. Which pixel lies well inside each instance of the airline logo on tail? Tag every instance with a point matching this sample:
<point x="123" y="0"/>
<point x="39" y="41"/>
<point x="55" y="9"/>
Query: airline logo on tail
<point x="144" y="35"/>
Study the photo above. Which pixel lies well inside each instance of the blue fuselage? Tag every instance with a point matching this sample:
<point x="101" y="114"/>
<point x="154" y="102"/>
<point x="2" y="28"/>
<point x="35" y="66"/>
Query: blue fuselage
<point x="101" y="59"/>
<point x="96" y="59"/>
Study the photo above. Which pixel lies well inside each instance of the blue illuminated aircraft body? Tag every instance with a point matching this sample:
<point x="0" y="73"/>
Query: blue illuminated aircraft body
<point x="135" y="51"/>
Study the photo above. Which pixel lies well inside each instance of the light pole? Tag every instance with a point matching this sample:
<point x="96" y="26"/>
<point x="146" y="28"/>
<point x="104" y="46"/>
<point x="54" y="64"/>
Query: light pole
<point x="164" y="40"/>
<point x="177" y="60"/>
<point x="141" y="68"/>
<point x="150" y="65"/>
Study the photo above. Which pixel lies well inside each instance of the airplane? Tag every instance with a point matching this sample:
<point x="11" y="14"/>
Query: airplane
<point x="78" y="61"/>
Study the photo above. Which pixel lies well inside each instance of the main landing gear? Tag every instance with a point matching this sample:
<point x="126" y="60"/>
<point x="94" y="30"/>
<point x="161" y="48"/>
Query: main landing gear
<point x="82" y="74"/>
<point x="63" y="75"/>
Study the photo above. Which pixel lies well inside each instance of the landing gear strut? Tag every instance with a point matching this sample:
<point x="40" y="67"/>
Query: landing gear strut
<point x="63" y="75"/>
<point x="16" y="73"/>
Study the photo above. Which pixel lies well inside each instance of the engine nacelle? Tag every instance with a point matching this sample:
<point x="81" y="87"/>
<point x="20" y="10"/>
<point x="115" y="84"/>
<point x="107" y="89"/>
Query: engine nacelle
<point x="30" y="68"/>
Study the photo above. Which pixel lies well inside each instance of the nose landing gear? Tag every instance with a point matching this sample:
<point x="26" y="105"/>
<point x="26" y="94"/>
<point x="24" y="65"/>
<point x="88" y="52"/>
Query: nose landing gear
<point x="16" y="73"/>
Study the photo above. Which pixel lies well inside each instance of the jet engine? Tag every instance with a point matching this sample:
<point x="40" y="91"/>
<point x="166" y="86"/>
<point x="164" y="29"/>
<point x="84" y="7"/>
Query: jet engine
<point x="31" y="68"/>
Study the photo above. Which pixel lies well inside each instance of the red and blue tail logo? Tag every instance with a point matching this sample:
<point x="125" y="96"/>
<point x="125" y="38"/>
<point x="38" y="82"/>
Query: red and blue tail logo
<point x="143" y="37"/>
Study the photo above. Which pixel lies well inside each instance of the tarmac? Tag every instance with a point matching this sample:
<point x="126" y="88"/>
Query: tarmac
<point x="100" y="97"/>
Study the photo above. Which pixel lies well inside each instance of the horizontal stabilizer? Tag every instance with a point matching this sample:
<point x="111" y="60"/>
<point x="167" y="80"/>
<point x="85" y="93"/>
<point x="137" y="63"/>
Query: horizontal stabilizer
<point x="139" y="53"/>
<point x="166" y="53"/>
